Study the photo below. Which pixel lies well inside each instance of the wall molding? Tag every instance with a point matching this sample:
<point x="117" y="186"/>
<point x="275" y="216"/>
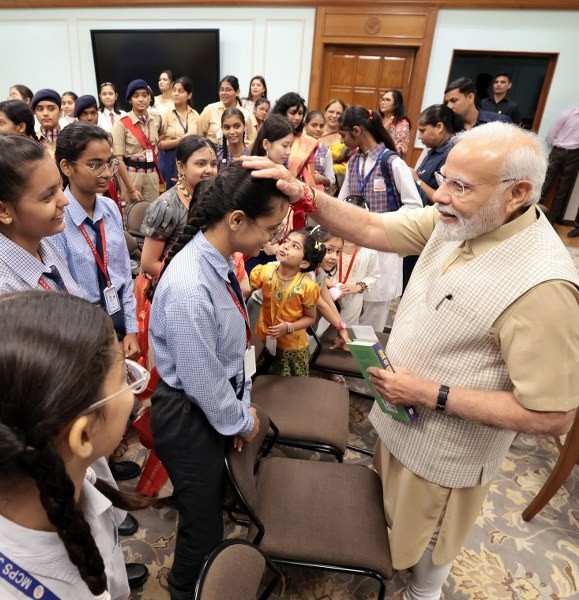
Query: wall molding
<point x="472" y="4"/>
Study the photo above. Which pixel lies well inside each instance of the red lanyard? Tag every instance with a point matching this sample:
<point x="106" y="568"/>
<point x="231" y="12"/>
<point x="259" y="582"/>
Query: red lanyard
<point x="45" y="285"/>
<point x="101" y="262"/>
<point x="349" y="266"/>
<point x="242" y="310"/>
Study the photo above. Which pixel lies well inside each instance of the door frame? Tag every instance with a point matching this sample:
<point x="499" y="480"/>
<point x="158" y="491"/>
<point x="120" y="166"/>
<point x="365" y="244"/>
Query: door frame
<point x="553" y="57"/>
<point x="370" y="28"/>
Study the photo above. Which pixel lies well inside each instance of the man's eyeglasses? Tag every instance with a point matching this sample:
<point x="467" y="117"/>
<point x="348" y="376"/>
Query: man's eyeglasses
<point x="98" y="169"/>
<point x="277" y="236"/>
<point x="137" y="378"/>
<point x="457" y="188"/>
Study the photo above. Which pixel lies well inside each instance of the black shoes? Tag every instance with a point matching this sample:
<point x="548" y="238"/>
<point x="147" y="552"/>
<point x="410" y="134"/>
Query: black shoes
<point x="124" y="469"/>
<point x="573" y="233"/>
<point x="137" y="574"/>
<point x="129" y="525"/>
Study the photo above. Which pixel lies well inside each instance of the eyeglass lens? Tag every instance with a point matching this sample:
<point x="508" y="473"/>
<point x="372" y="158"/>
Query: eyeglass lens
<point x="100" y="168"/>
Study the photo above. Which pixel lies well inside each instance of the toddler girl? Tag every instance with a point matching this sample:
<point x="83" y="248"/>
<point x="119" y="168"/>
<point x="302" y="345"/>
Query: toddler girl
<point x="289" y="304"/>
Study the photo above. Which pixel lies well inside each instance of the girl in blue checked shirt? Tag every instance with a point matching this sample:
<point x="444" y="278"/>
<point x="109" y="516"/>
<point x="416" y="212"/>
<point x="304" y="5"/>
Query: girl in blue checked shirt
<point x="93" y="241"/>
<point x="31" y="212"/>
<point x="199" y="333"/>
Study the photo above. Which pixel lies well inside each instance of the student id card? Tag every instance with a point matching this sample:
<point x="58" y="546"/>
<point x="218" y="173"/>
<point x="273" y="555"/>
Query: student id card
<point x="379" y="184"/>
<point x="111" y="300"/>
<point x="149" y="155"/>
<point x="249" y="362"/>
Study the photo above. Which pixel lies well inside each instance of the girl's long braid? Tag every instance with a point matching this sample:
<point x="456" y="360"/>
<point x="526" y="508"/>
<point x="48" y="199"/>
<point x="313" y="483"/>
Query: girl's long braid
<point x="56" y="488"/>
<point x="224" y="154"/>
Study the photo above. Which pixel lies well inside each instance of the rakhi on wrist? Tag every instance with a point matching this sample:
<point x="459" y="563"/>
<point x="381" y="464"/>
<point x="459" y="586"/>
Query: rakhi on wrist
<point x="307" y="203"/>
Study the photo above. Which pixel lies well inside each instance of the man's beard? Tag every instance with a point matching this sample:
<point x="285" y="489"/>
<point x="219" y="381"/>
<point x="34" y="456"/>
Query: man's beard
<point x="487" y="219"/>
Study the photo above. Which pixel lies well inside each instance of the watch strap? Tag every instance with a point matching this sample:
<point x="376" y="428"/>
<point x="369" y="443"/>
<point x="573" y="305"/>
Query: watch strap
<point x="442" y="397"/>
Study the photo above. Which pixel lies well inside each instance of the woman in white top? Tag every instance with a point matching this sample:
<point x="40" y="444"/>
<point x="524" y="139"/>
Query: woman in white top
<point x="257" y="89"/>
<point x="67" y="109"/>
<point x="109" y="112"/>
<point x="65" y="403"/>
<point x="164" y="101"/>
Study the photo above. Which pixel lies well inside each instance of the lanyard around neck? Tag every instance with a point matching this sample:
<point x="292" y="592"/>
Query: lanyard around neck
<point x="363" y="181"/>
<point x="184" y="126"/>
<point x="242" y="310"/>
<point x="102" y="262"/>
<point x="349" y="266"/>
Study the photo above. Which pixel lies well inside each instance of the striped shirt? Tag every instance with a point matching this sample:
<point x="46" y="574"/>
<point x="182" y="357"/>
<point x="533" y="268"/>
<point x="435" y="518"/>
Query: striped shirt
<point x="73" y="246"/>
<point x="20" y="270"/>
<point x="198" y="335"/>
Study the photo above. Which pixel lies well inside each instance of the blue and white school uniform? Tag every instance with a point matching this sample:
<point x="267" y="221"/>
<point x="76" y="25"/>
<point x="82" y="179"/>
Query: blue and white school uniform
<point x="82" y="263"/>
<point x="20" y="270"/>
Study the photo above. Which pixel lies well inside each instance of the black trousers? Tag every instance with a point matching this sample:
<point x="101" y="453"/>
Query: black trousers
<point x="193" y="453"/>
<point x="565" y="162"/>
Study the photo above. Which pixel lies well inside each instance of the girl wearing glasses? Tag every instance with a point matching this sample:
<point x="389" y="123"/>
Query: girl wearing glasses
<point x="199" y="334"/>
<point x="209" y="124"/>
<point x="31" y="212"/>
<point x="64" y="406"/>
<point x="93" y="241"/>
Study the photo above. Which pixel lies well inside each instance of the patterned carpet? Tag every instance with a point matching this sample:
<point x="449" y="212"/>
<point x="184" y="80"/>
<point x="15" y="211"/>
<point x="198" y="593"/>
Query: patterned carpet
<point x="503" y="558"/>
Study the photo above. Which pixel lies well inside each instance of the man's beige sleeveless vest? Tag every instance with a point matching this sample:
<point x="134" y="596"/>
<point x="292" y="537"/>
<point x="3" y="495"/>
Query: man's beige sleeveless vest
<point x="447" y="341"/>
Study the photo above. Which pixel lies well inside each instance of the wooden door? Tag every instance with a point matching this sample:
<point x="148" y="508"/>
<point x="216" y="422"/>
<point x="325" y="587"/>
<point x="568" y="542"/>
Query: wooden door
<point x="360" y="74"/>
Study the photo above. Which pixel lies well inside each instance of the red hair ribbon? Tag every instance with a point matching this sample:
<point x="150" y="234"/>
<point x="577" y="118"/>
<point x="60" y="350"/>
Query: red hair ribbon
<point x="370" y="115"/>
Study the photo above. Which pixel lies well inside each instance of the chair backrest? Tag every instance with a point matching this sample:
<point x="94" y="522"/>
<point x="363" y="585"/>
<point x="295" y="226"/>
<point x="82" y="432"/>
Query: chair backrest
<point x="135" y="215"/>
<point x="234" y="571"/>
<point x="132" y="245"/>
<point x="241" y="467"/>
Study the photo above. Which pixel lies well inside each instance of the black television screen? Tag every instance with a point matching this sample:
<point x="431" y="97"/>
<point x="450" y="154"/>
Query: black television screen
<point x="122" y="55"/>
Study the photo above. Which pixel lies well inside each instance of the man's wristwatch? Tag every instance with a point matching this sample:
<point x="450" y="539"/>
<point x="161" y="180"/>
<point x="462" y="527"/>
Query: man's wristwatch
<point x="442" y="398"/>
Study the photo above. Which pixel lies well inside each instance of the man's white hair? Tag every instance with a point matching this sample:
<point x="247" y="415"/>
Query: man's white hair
<point x="524" y="155"/>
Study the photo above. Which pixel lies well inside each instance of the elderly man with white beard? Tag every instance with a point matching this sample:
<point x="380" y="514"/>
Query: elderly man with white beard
<point x="485" y="342"/>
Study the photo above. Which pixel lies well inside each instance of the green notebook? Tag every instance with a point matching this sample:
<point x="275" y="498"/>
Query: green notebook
<point x="369" y="353"/>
